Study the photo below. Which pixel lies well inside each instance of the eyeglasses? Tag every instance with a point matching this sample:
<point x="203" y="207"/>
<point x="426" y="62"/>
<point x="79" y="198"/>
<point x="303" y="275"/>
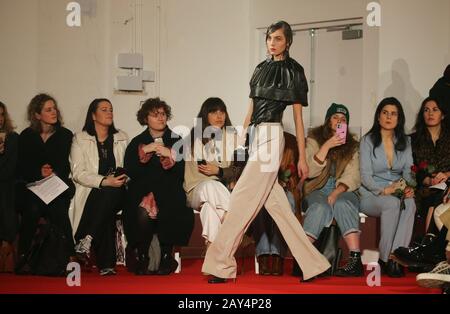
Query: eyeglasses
<point x="157" y="114"/>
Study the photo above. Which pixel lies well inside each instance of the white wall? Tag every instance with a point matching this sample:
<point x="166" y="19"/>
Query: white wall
<point x="414" y="50"/>
<point x="204" y="53"/>
<point x="201" y="48"/>
<point x="18" y="55"/>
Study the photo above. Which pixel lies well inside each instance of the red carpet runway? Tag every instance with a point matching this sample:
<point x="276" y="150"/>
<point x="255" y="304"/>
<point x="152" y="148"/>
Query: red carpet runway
<point x="190" y="281"/>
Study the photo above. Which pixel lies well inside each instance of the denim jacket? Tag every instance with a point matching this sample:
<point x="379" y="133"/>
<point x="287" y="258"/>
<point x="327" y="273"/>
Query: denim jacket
<point x="375" y="172"/>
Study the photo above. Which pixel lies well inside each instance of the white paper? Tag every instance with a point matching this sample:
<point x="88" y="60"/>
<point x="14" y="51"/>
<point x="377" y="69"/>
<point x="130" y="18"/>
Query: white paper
<point x="440" y="186"/>
<point x="48" y="189"/>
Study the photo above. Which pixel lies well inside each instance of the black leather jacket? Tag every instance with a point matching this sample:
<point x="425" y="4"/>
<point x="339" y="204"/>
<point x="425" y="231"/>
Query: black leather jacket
<point x="275" y="85"/>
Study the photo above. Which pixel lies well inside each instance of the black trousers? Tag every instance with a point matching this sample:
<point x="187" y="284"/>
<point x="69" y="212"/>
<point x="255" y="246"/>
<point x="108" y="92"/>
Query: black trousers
<point x="8" y="217"/>
<point x="145" y="229"/>
<point x="55" y="213"/>
<point x="99" y="221"/>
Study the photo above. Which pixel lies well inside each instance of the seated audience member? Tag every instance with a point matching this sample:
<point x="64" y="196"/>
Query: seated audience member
<point x="8" y="160"/>
<point x="441" y="91"/>
<point x="156" y="202"/>
<point x="431" y="148"/>
<point x="334" y="177"/>
<point x="97" y="159"/>
<point x="440" y="275"/>
<point x="44" y="149"/>
<point x="208" y="168"/>
<point x="385" y="161"/>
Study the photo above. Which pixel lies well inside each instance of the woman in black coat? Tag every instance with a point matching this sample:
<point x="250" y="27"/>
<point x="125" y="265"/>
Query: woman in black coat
<point x="156" y="199"/>
<point x="44" y="149"/>
<point x="8" y="160"/>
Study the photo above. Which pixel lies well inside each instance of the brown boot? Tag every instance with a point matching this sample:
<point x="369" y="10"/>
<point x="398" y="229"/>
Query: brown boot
<point x="277" y="265"/>
<point x="263" y="261"/>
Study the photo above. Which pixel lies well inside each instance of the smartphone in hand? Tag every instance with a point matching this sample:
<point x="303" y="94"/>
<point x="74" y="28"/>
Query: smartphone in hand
<point x="201" y="162"/>
<point x="341" y="131"/>
<point x="119" y="171"/>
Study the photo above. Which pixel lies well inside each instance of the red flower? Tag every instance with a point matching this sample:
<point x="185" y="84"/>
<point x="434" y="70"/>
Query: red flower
<point x="423" y="165"/>
<point x="414" y="168"/>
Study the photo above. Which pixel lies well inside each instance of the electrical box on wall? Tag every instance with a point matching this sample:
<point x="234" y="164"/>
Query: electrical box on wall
<point x="148" y="76"/>
<point x="130" y="83"/>
<point x="350" y="34"/>
<point x="134" y="81"/>
<point x="130" y="61"/>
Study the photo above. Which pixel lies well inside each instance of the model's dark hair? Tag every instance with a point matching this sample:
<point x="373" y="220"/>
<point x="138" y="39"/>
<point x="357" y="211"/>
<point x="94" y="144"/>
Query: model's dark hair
<point x="399" y="131"/>
<point x="35" y="107"/>
<point x="89" y="125"/>
<point x="420" y="127"/>
<point x="211" y="104"/>
<point x="324" y="132"/>
<point x="287" y="31"/>
<point x="151" y="105"/>
<point x="8" y="126"/>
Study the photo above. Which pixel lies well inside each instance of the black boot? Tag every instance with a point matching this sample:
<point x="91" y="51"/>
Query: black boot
<point x="394" y="269"/>
<point x="142" y="265"/>
<point x="430" y="251"/>
<point x="353" y="268"/>
<point x="168" y="265"/>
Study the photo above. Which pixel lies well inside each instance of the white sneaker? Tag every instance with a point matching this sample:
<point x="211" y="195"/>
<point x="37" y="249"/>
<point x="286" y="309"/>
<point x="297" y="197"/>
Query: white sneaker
<point x="84" y="246"/>
<point x="436" y="278"/>
<point x="107" y="272"/>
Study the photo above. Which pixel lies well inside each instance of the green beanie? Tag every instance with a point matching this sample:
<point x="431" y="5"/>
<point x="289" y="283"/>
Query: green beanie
<point x="337" y="108"/>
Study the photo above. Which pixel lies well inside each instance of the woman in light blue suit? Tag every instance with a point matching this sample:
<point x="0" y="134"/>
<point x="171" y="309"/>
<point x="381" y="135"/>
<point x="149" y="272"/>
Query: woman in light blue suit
<point x="386" y="157"/>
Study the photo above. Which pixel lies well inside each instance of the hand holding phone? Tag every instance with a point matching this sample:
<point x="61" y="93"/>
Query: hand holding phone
<point x="119" y="171"/>
<point x="159" y="140"/>
<point x="201" y="162"/>
<point x="341" y="131"/>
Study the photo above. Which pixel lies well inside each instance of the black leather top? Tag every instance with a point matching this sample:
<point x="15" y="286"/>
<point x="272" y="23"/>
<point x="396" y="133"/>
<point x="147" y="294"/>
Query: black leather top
<point x="275" y="85"/>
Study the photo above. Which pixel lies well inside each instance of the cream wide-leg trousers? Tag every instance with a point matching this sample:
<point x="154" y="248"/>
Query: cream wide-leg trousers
<point x="211" y="198"/>
<point x="258" y="186"/>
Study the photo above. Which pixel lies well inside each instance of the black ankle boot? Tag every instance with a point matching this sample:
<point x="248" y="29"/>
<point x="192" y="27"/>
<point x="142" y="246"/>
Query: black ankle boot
<point x="394" y="269"/>
<point x="353" y="268"/>
<point x="142" y="265"/>
<point x="167" y="265"/>
<point x="430" y="251"/>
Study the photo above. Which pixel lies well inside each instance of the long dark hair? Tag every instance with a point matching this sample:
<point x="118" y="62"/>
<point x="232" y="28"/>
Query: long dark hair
<point x="420" y="127"/>
<point x="399" y="131"/>
<point x="322" y="133"/>
<point x="211" y="104"/>
<point x="35" y="107"/>
<point x="7" y="126"/>
<point x="287" y="30"/>
<point x="89" y="125"/>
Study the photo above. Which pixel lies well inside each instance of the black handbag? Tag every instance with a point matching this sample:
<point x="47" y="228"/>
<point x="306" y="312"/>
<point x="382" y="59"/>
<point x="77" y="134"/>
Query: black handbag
<point x="328" y="245"/>
<point x="47" y="255"/>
